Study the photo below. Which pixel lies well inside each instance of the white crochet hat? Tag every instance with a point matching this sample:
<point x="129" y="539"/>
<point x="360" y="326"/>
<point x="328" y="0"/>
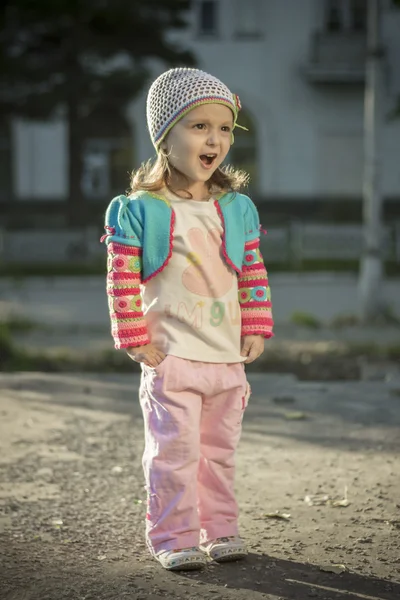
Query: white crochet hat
<point x="177" y="91"/>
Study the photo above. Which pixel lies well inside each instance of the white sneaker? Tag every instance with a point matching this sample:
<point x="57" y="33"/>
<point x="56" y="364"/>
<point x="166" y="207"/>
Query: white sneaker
<point x="185" y="559"/>
<point x="225" y="549"/>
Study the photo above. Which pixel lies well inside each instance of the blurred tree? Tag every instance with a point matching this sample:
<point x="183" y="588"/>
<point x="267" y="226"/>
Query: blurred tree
<point x="82" y="55"/>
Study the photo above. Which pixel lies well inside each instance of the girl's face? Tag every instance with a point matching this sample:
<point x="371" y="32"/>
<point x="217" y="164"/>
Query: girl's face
<point x="198" y="144"/>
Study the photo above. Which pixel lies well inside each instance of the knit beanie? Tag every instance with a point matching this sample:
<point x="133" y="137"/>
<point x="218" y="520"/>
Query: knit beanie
<point x="177" y="91"/>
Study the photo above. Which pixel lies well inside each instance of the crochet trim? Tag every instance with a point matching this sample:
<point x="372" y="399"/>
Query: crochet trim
<point x="122" y="277"/>
<point x="135" y="343"/>
<point x="257" y="304"/>
<point x="252" y="245"/>
<point x="255" y="282"/>
<point x="136" y="327"/>
<point x="255" y="312"/>
<point x="115" y="248"/>
<point x="178" y="91"/>
<point x="128" y="326"/>
<point x="131" y="333"/>
<point x="266" y="334"/>
<point x="154" y="195"/>
<point x="255" y="273"/>
<point x="125" y="291"/>
<point x="261" y="319"/>
<point x="109" y="230"/>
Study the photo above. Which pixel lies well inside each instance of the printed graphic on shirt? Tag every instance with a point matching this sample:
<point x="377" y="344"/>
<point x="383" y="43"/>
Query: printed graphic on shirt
<point x="203" y="313"/>
<point x="206" y="275"/>
<point x="192" y="307"/>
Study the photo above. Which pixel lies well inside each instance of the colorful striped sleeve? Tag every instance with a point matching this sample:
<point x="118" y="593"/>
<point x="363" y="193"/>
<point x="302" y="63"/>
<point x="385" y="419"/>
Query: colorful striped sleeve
<point x="254" y="293"/>
<point x="128" y="325"/>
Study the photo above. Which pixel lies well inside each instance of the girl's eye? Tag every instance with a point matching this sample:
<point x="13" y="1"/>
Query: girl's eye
<point x="200" y="126"/>
<point x="226" y="128"/>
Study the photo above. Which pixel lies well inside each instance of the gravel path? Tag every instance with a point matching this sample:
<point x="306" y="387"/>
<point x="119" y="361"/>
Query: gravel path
<point x="72" y="500"/>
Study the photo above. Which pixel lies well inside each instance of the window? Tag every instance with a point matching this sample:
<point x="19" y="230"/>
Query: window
<point x="96" y="170"/>
<point x="345" y="15"/>
<point x="208" y="17"/>
<point x="358" y="15"/>
<point x="107" y="156"/>
<point x="249" y="18"/>
<point x="243" y="154"/>
<point x="333" y="20"/>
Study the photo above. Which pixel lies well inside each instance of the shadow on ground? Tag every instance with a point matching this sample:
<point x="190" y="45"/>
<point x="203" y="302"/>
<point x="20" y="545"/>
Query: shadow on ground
<point x="98" y="553"/>
<point x="258" y="577"/>
<point x="296" y="581"/>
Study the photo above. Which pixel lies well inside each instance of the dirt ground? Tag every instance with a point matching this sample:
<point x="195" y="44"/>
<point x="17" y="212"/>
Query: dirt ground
<point x="72" y="500"/>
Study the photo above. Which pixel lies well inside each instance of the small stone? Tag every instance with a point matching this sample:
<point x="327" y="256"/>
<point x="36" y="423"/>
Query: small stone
<point x="284" y="400"/>
<point x="45" y="472"/>
<point x="57" y="523"/>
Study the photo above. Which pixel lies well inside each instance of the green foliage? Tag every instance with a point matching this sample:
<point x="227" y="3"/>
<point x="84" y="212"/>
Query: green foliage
<point x="18" y="324"/>
<point x="96" y="51"/>
<point x="343" y="321"/>
<point x="305" y="320"/>
<point x="395" y="114"/>
<point x="333" y="364"/>
<point x="80" y="57"/>
<point x="6" y="345"/>
<point x="18" y="271"/>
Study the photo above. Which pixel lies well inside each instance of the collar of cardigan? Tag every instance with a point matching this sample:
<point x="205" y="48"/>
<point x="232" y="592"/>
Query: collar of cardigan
<point x="164" y="199"/>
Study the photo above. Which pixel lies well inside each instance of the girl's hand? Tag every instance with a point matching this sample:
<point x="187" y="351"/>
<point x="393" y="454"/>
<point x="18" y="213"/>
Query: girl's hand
<point x="148" y="355"/>
<point x="252" y="347"/>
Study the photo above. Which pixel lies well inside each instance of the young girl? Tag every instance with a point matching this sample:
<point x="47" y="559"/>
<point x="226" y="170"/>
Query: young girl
<point x="189" y="299"/>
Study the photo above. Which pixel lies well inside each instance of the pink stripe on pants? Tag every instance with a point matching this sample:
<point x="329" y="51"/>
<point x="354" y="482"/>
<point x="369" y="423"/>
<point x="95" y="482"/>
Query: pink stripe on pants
<point x="193" y="416"/>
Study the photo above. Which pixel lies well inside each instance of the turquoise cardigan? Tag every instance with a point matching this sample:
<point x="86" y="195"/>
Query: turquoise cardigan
<point x="146" y="220"/>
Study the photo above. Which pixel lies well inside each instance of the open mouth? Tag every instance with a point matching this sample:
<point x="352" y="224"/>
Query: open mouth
<point x="208" y="159"/>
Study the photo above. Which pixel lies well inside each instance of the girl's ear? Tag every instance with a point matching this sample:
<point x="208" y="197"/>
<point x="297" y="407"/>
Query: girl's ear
<point x="164" y="149"/>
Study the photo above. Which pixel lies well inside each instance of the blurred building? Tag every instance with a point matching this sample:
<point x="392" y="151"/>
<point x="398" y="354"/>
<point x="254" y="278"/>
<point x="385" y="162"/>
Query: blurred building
<point x="299" y="69"/>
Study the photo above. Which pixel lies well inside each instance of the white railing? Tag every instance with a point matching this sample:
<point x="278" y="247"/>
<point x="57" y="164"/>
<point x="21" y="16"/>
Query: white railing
<point x="292" y="244"/>
<point x="312" y="241"/>
<point x="47" y="246"/>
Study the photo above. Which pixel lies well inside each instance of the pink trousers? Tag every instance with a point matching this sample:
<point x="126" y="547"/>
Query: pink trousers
<point x="193" y="415"/>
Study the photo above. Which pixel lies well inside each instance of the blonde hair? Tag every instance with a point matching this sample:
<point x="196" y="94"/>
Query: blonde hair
<point x="154" y="175"/>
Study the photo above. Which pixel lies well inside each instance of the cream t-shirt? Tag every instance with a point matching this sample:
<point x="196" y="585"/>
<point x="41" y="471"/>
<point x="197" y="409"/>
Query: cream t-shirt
<point x="191" y="307"/>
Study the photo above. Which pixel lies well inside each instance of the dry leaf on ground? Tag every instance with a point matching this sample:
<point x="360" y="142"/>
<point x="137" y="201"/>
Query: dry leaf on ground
<point x="295" y="416"/>
<point x="337" y="569"/>
<point x="284" y="400"/>
<point x="338" y="503"/>
<point x="278" y="515"/>
<point x="316" y="499"/>
<point x="327" y="500"/>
